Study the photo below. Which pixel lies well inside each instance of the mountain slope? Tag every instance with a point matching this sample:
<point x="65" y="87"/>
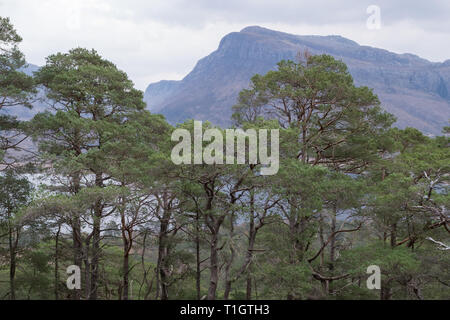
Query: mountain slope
<point x="415" y="90"/>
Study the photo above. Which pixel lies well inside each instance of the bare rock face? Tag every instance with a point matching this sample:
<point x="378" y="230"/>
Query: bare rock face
<point x="415" y="90"/>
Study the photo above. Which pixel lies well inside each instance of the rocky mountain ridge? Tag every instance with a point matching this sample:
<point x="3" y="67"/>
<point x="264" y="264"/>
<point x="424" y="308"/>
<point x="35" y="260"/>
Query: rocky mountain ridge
<point x="414" y="89"/>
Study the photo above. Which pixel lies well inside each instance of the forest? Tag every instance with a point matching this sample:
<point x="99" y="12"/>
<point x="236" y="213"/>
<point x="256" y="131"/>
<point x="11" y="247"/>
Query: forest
<point x="90" y="183"/>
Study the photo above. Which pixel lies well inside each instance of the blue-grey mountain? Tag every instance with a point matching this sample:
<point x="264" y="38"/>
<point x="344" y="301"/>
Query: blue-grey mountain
<point x="415" y="90"/>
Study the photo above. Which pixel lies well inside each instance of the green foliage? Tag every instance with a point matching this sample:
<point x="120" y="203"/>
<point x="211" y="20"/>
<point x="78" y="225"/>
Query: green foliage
<point x="16" y="88"/>
<point x="397" y="262"/>
<point x="350" y="192"/>
<point x="335" y="119"/>
<point x="14" y="192"/>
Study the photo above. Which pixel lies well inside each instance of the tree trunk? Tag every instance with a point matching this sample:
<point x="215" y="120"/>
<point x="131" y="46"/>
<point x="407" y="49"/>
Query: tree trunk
<point x="163" y="269"/>
<point x="87" y="270"/>
<point x="126" y="268"/>
<point x="247" y="265"/>
<point x="76" y="238"/>
<point x="329" y="283"/>
<point x="213" y="224"/>
<point x="214" y="266"/>
<point x="386" y="291"/>
<point x="251" y="242"/>
<point x="393" y="235"/>
<point x="248" y="293"/>
<point x="163" y="252"/>
<point x="197" y="256"/>
<point x="57" y="263"/>
<point x="228" y="280"/>
<point x="96" y="251"/>
<point x="127" y="239"/>
<point x="333" y="239"/>
<point x="13" y="242"/>
<point x="95" y="255"/>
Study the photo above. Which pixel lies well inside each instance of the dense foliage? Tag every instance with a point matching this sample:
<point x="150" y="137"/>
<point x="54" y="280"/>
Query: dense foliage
<point x="99" y="191"/>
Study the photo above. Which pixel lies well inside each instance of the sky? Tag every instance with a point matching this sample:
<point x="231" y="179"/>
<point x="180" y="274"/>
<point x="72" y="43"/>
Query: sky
<point x="163" y="39"/>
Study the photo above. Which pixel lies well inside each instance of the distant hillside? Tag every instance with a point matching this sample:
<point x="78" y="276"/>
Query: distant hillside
<point x="23" y="113"/>
<point x="417" y="91"/>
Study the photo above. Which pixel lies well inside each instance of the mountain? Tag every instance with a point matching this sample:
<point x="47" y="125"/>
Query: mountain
<point x="23" y="113"/>
<point x="29" y="69"/>
<point x="415" y="90"/>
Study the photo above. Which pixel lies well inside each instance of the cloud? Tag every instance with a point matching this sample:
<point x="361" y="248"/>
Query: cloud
<point x="163" y="39"/>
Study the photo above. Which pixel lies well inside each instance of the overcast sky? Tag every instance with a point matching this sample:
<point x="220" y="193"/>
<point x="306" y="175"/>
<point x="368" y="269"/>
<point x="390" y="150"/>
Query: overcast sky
<point x="163" y="39"/>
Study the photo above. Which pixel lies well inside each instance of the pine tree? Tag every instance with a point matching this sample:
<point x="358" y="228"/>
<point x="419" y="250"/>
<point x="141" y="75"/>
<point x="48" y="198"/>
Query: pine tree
<point x="16" y="89"/>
